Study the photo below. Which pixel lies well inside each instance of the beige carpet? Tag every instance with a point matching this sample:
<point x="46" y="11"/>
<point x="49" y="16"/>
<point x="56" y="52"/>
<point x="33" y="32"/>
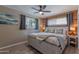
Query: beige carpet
<point x="19" y="49"/>
<point x="25" y="49"/>
<point x="70" y="50"/>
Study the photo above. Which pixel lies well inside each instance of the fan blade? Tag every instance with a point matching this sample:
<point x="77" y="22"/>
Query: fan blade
<point x="35" y="9"/>
<point x="44" y="6"/>
<point x="36" y="12"/>
<point x="46" y="11"/>
<point x="40" y="7"/>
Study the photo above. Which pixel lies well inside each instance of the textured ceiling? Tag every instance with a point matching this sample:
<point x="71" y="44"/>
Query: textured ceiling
<point x="56" y="9"/>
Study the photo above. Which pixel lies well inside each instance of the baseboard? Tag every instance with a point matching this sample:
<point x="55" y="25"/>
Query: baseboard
<point x="13" y="44"/>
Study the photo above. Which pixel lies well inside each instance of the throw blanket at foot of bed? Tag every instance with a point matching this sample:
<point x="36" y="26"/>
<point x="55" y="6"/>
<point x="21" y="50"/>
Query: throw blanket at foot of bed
<point x="48" y="44"/>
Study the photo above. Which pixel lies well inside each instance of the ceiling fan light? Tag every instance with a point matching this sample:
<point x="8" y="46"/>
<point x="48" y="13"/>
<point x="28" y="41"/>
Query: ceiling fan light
<point x="41" y="13"/>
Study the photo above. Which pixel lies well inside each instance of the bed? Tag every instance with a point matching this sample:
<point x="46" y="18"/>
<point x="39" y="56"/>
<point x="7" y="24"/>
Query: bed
<point x="48" y="42"/>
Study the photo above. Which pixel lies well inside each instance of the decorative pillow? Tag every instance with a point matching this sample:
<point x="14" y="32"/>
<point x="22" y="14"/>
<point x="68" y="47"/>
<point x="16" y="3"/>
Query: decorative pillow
<point x="59" y="31"/>
<point x="50" y="30"/>
<point x="53" y="40"/>
<point x="46" y="30"/>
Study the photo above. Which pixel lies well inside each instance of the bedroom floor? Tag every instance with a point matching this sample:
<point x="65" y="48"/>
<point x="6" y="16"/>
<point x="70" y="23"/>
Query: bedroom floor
<point x="25" y="49"/>
<point x="71" y="50"/>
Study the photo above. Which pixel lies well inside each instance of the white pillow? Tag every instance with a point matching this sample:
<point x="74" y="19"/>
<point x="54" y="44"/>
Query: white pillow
<point x="53" y="40"/>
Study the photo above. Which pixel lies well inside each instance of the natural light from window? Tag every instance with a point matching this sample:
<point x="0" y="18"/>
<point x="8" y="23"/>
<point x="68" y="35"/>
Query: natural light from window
<point x="57" y="21"/>
<point x="31" y="23"/>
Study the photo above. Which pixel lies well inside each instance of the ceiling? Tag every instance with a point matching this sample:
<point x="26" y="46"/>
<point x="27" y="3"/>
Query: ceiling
<point x="56" y="9"/>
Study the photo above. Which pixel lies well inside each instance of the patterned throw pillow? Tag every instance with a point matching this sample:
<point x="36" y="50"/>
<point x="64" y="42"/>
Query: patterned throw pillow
<point x="59" y="31"/>
<point x="52" y="30"/>
<point x="49" y="30"/>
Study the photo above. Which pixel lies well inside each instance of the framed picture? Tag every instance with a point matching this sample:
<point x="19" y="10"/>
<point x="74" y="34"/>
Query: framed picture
<point x="7" y="19"/>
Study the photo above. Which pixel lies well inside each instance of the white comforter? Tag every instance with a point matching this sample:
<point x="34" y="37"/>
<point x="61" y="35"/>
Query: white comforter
<point x="44" y="34"/>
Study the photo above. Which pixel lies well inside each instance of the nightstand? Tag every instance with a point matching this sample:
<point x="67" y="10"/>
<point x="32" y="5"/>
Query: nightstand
<point x="72" y="40"/>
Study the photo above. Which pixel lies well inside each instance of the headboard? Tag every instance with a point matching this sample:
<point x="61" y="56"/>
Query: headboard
<point x="56" y="30"/>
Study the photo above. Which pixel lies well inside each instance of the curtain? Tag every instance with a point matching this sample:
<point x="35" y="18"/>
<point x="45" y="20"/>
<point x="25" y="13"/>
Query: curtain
<point x="69" y="19"/>
<point x="22" y="22"/>
<point x="36" y="24"/>
<point x="46" y="21"/>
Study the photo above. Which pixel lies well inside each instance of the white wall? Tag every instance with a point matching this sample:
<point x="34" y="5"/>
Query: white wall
<point x="10" y="34"/>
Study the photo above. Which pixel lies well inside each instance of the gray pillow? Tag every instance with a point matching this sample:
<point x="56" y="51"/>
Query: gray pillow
<point x="59" y="31"/>
<point x="50" y="30"/>
<point x="46" y="30"/>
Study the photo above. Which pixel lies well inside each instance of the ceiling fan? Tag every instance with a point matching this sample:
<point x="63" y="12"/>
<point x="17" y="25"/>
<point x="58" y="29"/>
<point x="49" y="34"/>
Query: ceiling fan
<point x="41" y="9"/>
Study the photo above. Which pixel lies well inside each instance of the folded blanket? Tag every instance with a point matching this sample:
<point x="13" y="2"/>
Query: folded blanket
<point x="53" y="40"/>
<point x="39" y="38"/>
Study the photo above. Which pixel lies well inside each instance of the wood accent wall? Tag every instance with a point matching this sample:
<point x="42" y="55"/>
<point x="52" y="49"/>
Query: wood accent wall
<point x="57" y="16"/>
<point x="43" y="21"/>
<point x="42" y="24"/>
<point x="75" y="24"/>
<point x="75" y="18"/>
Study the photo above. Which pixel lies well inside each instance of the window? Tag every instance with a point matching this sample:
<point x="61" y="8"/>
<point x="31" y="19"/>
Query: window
<point x="57" y="21"/>
<point x="31" y="23"/>
<point x="61" y="21"/>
